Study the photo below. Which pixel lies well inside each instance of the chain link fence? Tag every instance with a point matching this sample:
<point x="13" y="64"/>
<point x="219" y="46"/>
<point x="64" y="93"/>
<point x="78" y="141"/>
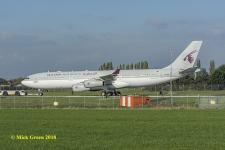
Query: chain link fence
<point x="99" y="102"/>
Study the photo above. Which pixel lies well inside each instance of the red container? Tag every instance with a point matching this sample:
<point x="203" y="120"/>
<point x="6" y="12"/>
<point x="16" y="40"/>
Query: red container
<point x="133" y="101"/>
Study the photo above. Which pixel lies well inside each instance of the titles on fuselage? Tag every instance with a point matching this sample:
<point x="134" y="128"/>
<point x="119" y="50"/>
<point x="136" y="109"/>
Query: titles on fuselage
<point x="71" y="73"/>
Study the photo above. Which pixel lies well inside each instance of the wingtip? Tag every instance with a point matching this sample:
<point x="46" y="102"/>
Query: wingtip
<point x="200" y="41"/>
<point x="117" y="71"/>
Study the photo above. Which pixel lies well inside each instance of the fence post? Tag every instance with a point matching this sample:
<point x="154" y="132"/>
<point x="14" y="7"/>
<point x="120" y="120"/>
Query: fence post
<point x="0" y="102"/>
<point x="14" y="102"/>
<point x="54" y="100"/>
<point x="113" y="102"/>
<point x="42" y="102"/>
<point x="27" y="102"/>
<point x="99" y="104"/>
<point x="198" y="100"/>
<point x="84" y="101"/>
<point x="217" y="101"/>
<point x="187" y="102"/>
<point x="208" y="102"/>
<point x="157" y="100"/>
<point x="68" y="101"/>
<point x="142" y="102"/>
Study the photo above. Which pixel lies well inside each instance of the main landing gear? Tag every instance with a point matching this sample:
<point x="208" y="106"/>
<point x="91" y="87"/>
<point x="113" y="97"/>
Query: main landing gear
<point x="40" y="92"/>
<point x="111" y="93"/>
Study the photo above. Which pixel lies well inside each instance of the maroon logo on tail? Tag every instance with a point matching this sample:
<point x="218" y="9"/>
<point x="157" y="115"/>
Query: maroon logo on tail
<point x="189" y="57"/>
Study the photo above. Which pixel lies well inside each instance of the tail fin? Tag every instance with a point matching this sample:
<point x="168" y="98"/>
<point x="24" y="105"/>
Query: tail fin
<point x="186" y="60"/>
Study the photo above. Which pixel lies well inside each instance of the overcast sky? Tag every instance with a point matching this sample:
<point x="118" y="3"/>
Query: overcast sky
<point x="42" y="35"/>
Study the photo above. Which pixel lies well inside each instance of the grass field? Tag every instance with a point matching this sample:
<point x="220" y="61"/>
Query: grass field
<point x="136" y="91"/>
<point x="113" y="103"/>
<point x="108" y="129"/>
<point x="98" y="102"/>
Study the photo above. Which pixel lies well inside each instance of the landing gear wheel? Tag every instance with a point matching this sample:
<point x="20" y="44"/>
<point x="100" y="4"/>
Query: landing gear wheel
<point x="116" y="93"/>
<point x="41" y="94"/>
<point x="5" y="93"/>
<point x="103" y="93"/>
<point x="110" y="93"/>
<point x="17" y="93"/>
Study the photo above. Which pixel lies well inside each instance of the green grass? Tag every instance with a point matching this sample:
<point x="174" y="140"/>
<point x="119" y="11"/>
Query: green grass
<point x="98" y="102"/>
<point x="108" y="129"/>
<point x="136" y="91"/>
<point x="63" y="102"/>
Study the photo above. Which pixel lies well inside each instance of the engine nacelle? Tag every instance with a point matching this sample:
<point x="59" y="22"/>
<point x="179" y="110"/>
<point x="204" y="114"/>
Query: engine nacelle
<point x="79" y="87"/>
<point x="93" y="83"/>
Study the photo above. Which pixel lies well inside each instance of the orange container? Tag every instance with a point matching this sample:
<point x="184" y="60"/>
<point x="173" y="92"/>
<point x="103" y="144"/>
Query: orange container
<point x="133" y="101"/>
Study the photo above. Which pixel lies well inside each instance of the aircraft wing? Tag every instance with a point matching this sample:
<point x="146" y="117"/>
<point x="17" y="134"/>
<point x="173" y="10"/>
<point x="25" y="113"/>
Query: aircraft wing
<point x="110" y="77"/>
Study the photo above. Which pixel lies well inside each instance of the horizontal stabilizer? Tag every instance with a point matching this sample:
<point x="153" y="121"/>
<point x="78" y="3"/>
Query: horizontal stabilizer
<point x="188" y="71"/>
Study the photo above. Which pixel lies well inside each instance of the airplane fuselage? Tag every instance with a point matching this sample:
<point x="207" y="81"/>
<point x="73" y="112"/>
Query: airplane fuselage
<point x="125" y="78"/>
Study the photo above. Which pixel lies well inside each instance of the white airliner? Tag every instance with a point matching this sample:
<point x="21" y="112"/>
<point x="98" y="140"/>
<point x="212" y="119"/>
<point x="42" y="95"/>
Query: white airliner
<point x="109" y="81"/>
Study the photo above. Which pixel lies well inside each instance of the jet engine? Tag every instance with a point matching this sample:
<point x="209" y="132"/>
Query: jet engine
<point x="79" y="87"/>
<point x="93" y="83"/>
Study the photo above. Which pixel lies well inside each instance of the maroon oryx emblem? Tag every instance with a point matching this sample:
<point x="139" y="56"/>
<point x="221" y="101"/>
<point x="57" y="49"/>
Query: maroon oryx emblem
<point x="189" y="57"/>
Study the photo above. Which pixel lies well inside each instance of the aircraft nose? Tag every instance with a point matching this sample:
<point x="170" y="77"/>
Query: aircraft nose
<point x="24" y="83"/>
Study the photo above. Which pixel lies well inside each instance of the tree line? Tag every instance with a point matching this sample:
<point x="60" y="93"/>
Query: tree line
<point x="213" y="79"/>
<point x="139" y="65"/>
